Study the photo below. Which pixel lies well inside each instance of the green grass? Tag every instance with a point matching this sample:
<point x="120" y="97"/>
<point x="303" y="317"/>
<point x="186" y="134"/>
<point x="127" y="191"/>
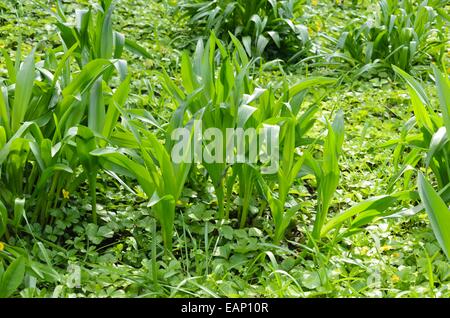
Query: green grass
<point x="91" y="203"/>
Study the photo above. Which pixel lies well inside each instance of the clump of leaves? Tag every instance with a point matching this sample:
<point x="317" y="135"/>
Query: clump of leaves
<point x="433" y="142"/>
<point x="266" y="27"/>
<point x="402" y="33"/>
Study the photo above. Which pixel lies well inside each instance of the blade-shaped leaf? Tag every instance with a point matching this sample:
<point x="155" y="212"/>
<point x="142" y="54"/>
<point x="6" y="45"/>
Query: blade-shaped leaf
<point x="12" y="278"/>
<point x="438" y="213"/>
<point x="24" y="89"/>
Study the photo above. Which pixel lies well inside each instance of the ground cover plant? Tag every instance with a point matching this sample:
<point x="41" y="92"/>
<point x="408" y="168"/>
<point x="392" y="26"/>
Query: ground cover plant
<point x="224" y="148"/>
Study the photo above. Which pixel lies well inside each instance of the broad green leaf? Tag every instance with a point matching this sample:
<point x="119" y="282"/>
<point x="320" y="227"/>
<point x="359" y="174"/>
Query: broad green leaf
<point x="12" y="277"/>
<point x="240" y="49"/>
<point x="187" y="74"/>
<point x="96" y="111"/>
<point x="3" y="219"/>
<point x="438" y="213"/>
<point x="84" y="80"/>
<point x="24" y="89"/>
<point x="418" y="98"/>
<point x="136" y="49"/>
<point x="19" y="211"/>
<point x="117" y="102"/>
<point x="9" y="66"/>
<point x="443" y="88"/>
<point x="380" y="204"/>
<point x="106" y="37"/>
<point x="308" y="83"/>
<point x="113" y="160"/>
<point x="438" y="140"/>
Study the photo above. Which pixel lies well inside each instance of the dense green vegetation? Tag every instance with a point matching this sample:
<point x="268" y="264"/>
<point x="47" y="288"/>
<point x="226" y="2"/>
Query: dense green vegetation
<point x="94" y="203"/>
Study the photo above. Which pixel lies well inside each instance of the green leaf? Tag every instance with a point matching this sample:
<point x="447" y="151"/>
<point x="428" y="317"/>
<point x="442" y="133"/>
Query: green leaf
<point x="84" y="80"/>
<point x="107" y="38"/>
<point x="438" y="213"/>
<point x="379" y="204"/>
<point x="418" y="98"/>
<point x="443" y="88"/>
<point x="3" y="219"/>
<point x="187" y="74"/>
<point x="12" y="278"/>
<point x="240" y="49"/>
<point x="135" y="48"/>
<point x="24" y="89"/>
<point x="19" y="211"/>
<point x="96" y="113"/>
<point x="117" y="102"/>
<point x="438" y="140"/>
<point x="9" y="66"/>
<point x="308" y="83"/>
